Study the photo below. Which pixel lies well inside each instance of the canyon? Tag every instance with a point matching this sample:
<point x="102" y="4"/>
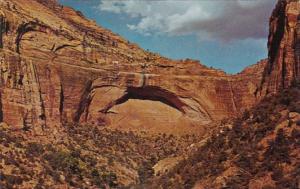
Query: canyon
<point x="82" y="107"/>
<point x="57" y="67"/>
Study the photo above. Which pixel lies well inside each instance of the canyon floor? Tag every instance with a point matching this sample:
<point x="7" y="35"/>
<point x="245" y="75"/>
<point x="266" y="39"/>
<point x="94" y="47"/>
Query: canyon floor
<point x="82" y="107"/>
<point x="260" y="149"/>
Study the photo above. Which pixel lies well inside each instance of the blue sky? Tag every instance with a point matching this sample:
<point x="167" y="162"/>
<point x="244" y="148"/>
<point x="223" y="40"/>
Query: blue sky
<point x="225" y="34"/>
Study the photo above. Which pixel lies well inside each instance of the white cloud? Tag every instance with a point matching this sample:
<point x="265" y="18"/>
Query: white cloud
<point x="216" y="19"/>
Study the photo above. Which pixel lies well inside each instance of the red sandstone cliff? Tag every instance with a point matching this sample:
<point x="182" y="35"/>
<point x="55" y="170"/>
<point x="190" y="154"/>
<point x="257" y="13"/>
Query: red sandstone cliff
<point x="57" y="66"/>
<point x="283" y="67"/>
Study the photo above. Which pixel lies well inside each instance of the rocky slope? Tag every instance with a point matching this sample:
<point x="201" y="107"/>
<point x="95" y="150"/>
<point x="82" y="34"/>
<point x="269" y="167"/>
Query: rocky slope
<point x="57" y="66"/>
<point x="83" y="156"/>
<point x="259" y="150"/>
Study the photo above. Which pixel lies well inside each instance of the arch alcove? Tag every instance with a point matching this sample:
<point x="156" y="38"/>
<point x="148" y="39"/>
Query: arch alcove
<point x="149" y="108"/>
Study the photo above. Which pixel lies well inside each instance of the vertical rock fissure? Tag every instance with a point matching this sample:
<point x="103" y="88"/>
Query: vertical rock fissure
<point x="278" y="35"/>
<point x="232" y="97"/>
<point x="1" y="111"/>
<point x="283" y="72"/>
<point x="84" y="102"/>
<point x="144" y="75"/>
<point x="4" y="27"/>
<point x="61" y="103"/>
<point x="42" y="113"/>
<point x="1" y="30"/>
<point x="144" y="80"/>
<point x="297" y="50"/>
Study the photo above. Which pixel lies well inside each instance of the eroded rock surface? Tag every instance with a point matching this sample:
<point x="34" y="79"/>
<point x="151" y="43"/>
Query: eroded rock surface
<point x="57" y="66"/>
<point x="283" y="67"/>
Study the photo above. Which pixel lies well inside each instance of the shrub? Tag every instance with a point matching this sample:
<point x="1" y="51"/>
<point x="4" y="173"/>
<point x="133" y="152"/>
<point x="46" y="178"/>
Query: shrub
<point x="34" y="149"/>
<point x="145" y="172"/>
<point x="277" y="173"/>
<point x="268" y="187"/>
<point x="246" y="115"/>
<point x="110" y="178"/>
<point x="64" y="161"/>
<point x="12" y="179"/>
<point x="278" y="150"/>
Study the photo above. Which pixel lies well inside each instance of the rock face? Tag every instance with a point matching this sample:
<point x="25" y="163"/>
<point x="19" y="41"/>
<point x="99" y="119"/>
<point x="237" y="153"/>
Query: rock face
<point x="57" y="66"/>
<point x="283" y="67"/>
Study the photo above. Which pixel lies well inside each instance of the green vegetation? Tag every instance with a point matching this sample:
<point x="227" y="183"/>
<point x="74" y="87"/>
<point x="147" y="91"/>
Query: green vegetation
<point x="263" y="144"/>
<point x="86" y="156"/>
<point x="264" y="141"/>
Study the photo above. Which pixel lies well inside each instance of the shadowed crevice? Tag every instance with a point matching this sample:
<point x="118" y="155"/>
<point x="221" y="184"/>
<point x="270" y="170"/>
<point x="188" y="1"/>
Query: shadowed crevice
<point x="85" y="101"/>
<point x="274" y="43"/>
<point x="1" y="111"/>
<point x="24" y="28"/>
<point x="148" y="93"/>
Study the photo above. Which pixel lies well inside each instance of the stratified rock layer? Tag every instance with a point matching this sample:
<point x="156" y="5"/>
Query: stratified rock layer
<point x="57" y="66"/>
<point x="283" y="67"/>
